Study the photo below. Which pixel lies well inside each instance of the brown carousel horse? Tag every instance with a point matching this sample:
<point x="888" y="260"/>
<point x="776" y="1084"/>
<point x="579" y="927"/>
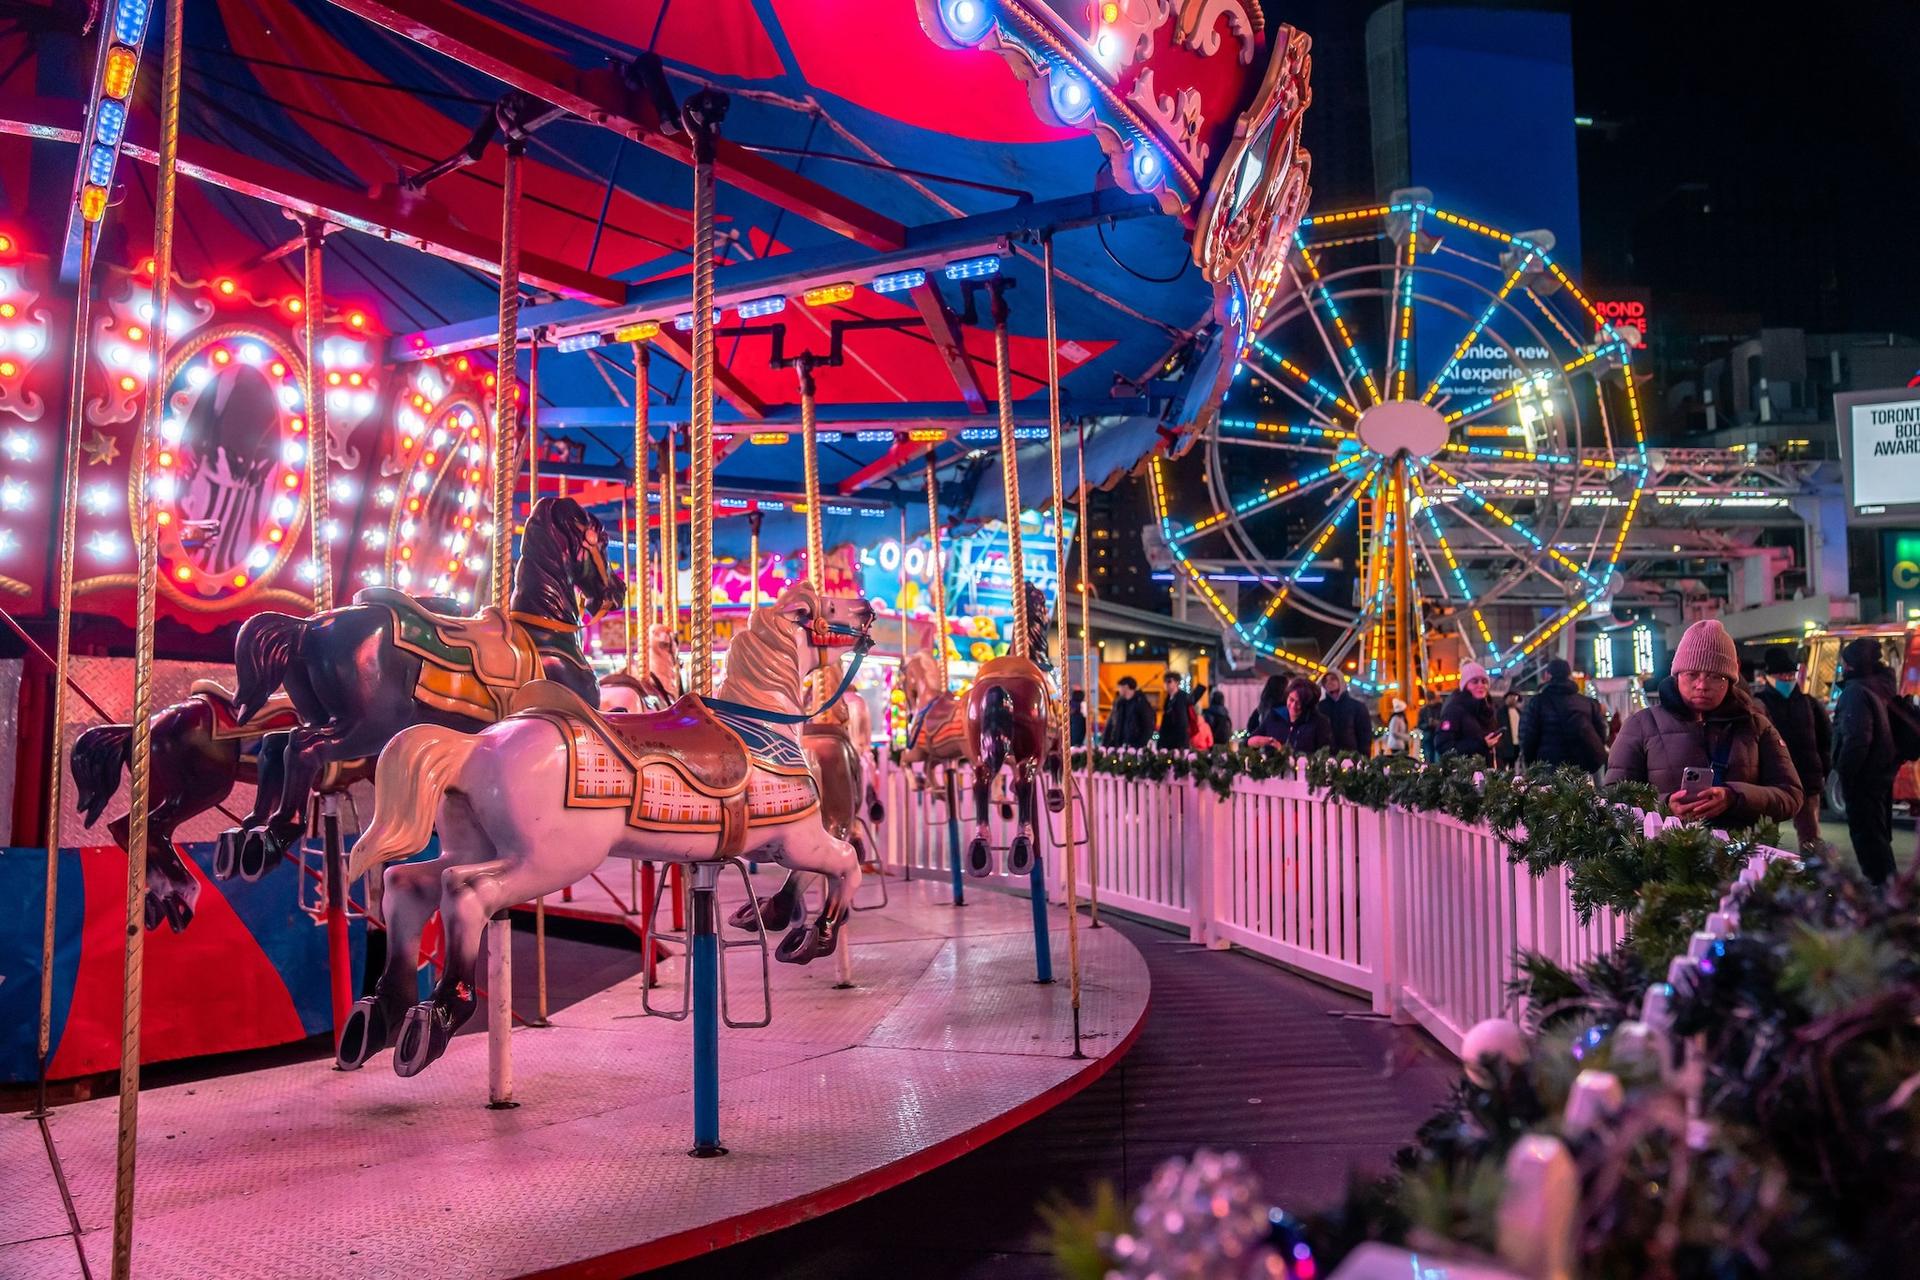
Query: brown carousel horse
<point x="359" y="674"/>
<point x="201" y="748"/>
<point x="1009" y="721"/>
<point x="937" y="732"/>
<point x="655" y="691"/>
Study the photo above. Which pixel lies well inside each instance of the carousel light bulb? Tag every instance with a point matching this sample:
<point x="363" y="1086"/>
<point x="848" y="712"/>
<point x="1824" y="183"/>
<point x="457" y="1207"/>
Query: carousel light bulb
<point x="258" y="558"/>
<point x="7" y="541"/>
<point x="474" y="563"/>
<point x="363" y="402"/>
<point x="171" y="430"/>
<point x="465" y="596"/>
<point x="371" y="577"/>
<point x="384" y="496"/>
<point x="105" y="546"/>
<point x="197" y="376"/>
<point x="330" y="531"/>
<point x="163" y="488"/>
<point x="342" y="489"/>
<point x="408" y="528"/>
<point x="289" y="397"/>
<point x="145" y="311"/>
<point x="439" y="437"/>
<point x="293" y="453"/>
<point x="419" y="481"/>
<point x="336" y="399"/>
<point x="13" y="494"/>
<point x="376" y="537"/>
<point x="19" y="445"/>
<point x="250" y="353"/>
<point x="283" y="509"/>
<point x="403" y="576"/>
<point x="309" y="571"/>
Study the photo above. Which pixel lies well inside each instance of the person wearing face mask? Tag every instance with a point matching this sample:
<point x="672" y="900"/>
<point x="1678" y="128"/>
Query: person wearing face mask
<point x="1705" y="746"/>
<point x="1804" y="727"/>
<point x="1469" y="723"/>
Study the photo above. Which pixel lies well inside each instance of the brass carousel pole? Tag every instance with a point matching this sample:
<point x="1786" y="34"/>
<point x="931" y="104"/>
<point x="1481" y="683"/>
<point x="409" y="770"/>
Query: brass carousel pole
<point x="506" y="422"/>
<point x="810" y="461"/>
<point x="533" y="496"/>
<point x="1087" y="674"/>
<point x="1009" y="468"/>
<point x="937" y="575"/>
<point x="140" y="768"/>
<point x="1060" y="711"/>
<point x="670" y="539"/>
<point x="753" y="559"/>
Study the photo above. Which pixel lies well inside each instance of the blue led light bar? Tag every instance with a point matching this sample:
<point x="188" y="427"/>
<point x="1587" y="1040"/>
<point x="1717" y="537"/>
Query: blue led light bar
<point x="100" y="165"/>
<point x="771" y="305"/>
<point x="899" y="281"/>
<point x="579" y="342"/>
<point x="873" y="437"/>
<point x="829" y="437"/>
<point x="684" y="321"/>
<point x="130" y="21"/>
<point x="974" y="268"/>
<point x="768" y="504"/>
<point x="110" y="122"/>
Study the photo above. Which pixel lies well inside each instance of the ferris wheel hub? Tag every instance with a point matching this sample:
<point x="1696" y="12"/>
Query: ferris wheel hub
<point x="1395" y="425"/>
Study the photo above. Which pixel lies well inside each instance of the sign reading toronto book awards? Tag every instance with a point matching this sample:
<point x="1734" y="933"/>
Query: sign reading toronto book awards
<point x="1880" y="440"/>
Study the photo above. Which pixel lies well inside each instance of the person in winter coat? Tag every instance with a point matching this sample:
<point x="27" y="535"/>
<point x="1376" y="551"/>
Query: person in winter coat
<point x="1352" y="722"/>
<point x="1804" y="727"/>
<point x="1704" y="719"/>
<point x="1863" y="752"/>
<point x="1176" y="729"/>
<point x="1077" y="719"/>
<point x="1268" y="724"/>
<point x="1469" y="723"/>
<point x="1130" y="723"/>
<point x="1309" y="729"/>
<point x="1217" y="718"/>
<point x="1428" y="725"/>
<point x="1506" y="752"/>
<point x="1562" y="726"/>
<point x="1398" y="739"/>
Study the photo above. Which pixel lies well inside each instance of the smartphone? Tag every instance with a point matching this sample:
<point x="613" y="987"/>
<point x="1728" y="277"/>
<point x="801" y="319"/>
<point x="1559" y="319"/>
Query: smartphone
<point x="1693" y="778"/>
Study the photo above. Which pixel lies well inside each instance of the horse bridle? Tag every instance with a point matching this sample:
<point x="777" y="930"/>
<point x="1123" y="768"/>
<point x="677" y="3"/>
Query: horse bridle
<point x="819" y="631"/>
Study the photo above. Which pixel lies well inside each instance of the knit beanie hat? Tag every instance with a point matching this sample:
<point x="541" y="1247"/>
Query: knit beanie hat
<point x="1706" y="646"/>
<point x="1470" y="671"/>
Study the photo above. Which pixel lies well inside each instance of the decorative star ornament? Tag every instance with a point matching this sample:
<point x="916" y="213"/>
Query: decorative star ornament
<point x="99" y="447"/>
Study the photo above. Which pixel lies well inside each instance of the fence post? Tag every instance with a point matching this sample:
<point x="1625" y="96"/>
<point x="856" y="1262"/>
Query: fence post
<point x="1380" y="915"/>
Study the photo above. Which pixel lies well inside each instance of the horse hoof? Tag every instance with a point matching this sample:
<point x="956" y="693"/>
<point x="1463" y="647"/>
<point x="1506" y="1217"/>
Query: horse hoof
<point x="155" y="911"/>
<point x="179" y="909"/>
<point x="423" y="1037"/>
<point x="1020" y="856"/>
<point x="226" y="854"/>
<point x="1056" y="800"/>
<point x="257" y="854"/>
<point x="364" y="1034"/>
<point x="979" y="857"/>
<point x="809" y="943"/>
<point x="748" y="919"/>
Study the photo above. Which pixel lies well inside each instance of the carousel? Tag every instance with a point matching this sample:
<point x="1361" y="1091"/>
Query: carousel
<point x="654" y="506"/>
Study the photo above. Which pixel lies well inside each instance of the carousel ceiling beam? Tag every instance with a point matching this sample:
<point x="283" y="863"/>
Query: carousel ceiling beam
<point x="678" y="347"/>
<point x="603" y="97"/>
<point x="942" y="327"/>
<point x="899" y="455"/>
<point x="419" y="225"/>
<point x="929" y="247"/>
<point x="901" y="414"/>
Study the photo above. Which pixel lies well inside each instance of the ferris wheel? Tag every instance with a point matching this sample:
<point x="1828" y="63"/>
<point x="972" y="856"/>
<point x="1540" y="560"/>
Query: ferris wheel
<point x="1438" y="399"/>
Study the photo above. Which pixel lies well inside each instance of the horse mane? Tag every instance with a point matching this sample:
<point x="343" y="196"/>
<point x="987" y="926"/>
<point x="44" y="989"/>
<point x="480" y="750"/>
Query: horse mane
<point x="760" y="662"/>
<point x="541" y="584"/>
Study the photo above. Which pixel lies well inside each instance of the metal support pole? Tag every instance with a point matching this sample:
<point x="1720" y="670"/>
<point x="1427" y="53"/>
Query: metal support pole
<point x="753" y="559"/>
<point x="704" y="112"/>
<point x="1087" y="674"/>
<point x="146" y="545"/>
<point x="642" y="463"/>
<point x="506" y="419"/>
<point x="1062" y="714"/>
<point x="1042" y="939"/>
<point x="810" y="464"/>
<point x="318" y="494"/>
<point x="500" y="1014"/>
<point x="1009" y="467"/>
<point x="533" y="495"/>
<point x="670" y="539"/>
<point x="1404" y="618"/>
<point x="339" y="955"/>
<point x="703" y="946"/>
<point x="953" y="840"/>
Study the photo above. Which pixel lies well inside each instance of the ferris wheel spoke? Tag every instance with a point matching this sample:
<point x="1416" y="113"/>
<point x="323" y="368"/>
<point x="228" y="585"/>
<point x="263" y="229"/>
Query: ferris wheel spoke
<point x="1303" y="378"/>
<point x="1480" y="408"/>
<point x="1454" y="568"/>
<point x="1539" y="545"/>
<point x="1285" y="435"/>
<point x="1272" y="496"/>
<point x="1400" y="354"/>
<point x="1473" y="335"/>
<point x="1350" y="500"/>
<point x="1339" y="324"/>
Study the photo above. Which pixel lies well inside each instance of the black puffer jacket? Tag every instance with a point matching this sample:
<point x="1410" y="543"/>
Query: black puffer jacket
<point x="1310" y="733"/>
<point x="1561" y="725"/>
<point x="1658" y="743"/>
<point x="1465" y="722"/>
<point x="1804" y="726"/>
<point x="1352" y="723"/>
<point x="1863" y="736"/>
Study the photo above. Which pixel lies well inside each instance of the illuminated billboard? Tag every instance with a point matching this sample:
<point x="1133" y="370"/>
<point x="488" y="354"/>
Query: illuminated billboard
<point x="1880" y="449"/>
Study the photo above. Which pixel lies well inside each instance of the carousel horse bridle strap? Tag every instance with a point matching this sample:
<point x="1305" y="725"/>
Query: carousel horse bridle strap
<point x="861" y="644"/>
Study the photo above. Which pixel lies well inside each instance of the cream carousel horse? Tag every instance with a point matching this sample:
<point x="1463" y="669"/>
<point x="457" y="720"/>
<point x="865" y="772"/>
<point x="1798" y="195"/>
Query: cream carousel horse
<point x="534" y="803"/>
<point x="937" y="730"/>
<point x="837" y="742"/>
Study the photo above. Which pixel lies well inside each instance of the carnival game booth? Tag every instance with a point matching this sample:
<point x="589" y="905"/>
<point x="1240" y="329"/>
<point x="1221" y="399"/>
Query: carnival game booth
<point x="441" y="308"/>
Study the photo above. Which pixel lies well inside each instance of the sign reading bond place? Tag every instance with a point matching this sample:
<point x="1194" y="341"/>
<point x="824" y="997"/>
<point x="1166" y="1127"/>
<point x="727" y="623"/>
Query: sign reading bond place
<point x="1880" y="442"/>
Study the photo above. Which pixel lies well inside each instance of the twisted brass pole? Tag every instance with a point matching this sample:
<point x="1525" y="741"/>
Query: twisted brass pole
<point x="810" y="461"/>
<point x="705" y="113"/>
<point x="1060" y="716"/>
<point x="506" y="360"/>
<point x="1009" y="469"/>
<point x="641" y="537"/>
<point x="318" y="496"/>
<point x="670" y="537"/>
<point x="140" y="763"/>
<point x="1088" y="674"/>
<point x="935" y="573"/>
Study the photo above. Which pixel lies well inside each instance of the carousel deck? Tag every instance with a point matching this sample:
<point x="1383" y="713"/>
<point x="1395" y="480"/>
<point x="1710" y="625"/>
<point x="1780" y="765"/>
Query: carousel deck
<point x="945" y="1042"/>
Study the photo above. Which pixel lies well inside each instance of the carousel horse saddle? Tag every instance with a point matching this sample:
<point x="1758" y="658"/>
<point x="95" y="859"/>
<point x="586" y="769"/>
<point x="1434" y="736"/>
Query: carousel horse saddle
<point x="463" y="659"/>
<point x="277" y="714"/>
<point x="636" y="760"/>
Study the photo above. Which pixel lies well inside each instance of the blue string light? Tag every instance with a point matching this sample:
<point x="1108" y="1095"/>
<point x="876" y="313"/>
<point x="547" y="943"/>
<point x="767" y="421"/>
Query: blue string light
<point x="899" y="281"/>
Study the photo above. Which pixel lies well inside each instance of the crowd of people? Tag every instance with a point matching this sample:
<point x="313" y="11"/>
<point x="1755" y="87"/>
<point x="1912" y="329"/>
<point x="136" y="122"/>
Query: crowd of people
<point x="1713" y="747"/>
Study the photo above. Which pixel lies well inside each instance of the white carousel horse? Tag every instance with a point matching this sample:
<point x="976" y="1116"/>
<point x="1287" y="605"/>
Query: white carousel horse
<point x="536" y="802"/>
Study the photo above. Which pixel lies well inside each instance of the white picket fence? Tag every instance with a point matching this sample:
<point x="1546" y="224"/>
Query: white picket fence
<point x="1420" y="913"/>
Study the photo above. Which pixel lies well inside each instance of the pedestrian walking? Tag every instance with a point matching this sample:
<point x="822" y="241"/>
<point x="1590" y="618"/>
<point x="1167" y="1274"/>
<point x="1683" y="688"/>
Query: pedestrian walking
<point x="1863" y="751"/>
<point x="1217" y="718"/>
<point x="1130" y="723"/>
<point x="1469" y="725"/>
<point x="1398" y="739"/>
<point x="1176" y="716"/>
<point x="1808" y="733"/>
<point x="1562" y="726"/>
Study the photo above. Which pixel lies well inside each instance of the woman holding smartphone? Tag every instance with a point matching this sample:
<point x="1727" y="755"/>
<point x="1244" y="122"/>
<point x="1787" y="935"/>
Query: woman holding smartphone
<point x="1706" y="746"/>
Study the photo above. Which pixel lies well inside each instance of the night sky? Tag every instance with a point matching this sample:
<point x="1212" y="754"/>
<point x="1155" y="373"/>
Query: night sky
<point x="1749" y="168"/>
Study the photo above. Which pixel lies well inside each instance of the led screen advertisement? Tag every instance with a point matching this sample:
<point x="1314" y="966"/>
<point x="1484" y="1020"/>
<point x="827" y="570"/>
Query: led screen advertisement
<point x="1880" y="452"/>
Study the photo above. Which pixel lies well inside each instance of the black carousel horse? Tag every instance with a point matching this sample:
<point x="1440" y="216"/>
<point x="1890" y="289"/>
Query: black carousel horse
<point x="359" y="674"/>
<point x="201" y="748"/>
<point x="1010" y="721"/>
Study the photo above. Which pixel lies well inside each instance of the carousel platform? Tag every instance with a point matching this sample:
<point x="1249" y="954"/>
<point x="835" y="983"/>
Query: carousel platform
<point x="944" y="1043"/>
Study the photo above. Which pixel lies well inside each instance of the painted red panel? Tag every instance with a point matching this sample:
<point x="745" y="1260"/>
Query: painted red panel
<point x="886" y="63"/>
<point x="721" y="36"/>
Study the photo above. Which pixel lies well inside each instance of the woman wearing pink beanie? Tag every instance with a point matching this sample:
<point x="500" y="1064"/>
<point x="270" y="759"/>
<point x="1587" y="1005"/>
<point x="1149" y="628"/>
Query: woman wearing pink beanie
<point x="1705" y="721"/>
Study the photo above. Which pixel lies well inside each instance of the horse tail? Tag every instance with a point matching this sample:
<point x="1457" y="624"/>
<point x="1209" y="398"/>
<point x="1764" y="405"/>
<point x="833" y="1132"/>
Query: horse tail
<point x="262" y="652"/>
<point x="99" y="755"/>
<point x="416" y="768"/>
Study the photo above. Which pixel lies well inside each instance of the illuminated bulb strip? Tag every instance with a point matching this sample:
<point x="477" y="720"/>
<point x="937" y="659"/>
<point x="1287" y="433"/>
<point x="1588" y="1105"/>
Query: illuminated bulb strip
<point x="1633" y="411"/>
<point x="1507" y="393"/>
<point x="1285" y="429"/>
<point x="1305" y="379"/>
<point x="1339" y="321"/>
<point x="1267" y="497"/>
<point x="1319" y="544"/>
<point x="1528" y="455"/>
<point x="1469" y="224"/>
<point x="1473" y="495"/>
<point x="1376" y="633"/>
<point x="1626" y="523"/>
<point x="1453" y="564"/>
<point x="1351" y="215"/>
<point x="1473" y="334"/>
<point x="1406" y="312"/>
<point x="1541" y="637"/>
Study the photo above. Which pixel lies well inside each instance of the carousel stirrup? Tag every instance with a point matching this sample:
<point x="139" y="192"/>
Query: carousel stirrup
<point x="424" y="1035"/>
<point x="226" y="854"/>
<point x="1020" y="854"/>
<point x="780" y="909"/>
<point x="651" y="934"/>
<point x="812" y="942"/>
<point x="365" y="1034"/>
<point x="979" y="860"/>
